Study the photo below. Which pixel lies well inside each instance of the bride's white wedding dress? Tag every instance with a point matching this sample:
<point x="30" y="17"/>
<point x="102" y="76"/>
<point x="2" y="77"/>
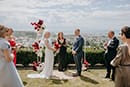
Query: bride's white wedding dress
<point x="48" y="63"/>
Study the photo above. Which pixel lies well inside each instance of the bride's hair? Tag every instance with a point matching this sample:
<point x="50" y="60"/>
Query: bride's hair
<point x="46" y="33"/>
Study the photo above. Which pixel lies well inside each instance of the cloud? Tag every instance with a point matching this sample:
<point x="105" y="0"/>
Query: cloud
<point x="61" y="13"/>
<point x="111" y="13"/>
<point x="123" y="6"/>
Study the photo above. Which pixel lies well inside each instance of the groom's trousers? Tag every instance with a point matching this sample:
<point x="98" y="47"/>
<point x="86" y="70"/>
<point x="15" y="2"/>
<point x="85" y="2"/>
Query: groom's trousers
<point x="78" y="61"/>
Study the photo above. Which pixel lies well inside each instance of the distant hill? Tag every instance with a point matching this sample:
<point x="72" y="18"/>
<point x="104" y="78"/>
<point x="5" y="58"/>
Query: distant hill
<point x="29" y="34"/>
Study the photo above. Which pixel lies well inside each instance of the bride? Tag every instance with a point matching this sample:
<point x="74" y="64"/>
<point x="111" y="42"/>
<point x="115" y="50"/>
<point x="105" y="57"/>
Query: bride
<point x="49" y="59"/>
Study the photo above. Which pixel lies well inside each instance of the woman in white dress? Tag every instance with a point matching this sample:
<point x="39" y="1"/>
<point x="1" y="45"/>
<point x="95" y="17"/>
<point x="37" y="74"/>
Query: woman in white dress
<point x="49" y="57"/>
<point x="9" y="76"/>
<point x="47" y="71"/>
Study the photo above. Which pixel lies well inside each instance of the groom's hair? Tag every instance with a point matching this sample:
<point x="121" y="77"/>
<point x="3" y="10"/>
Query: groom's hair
<point x="78" y="30"/>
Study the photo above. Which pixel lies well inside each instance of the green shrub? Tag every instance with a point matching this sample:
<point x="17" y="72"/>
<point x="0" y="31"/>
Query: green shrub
<point x="93" y="56"/>
<point x="26" y="56"/>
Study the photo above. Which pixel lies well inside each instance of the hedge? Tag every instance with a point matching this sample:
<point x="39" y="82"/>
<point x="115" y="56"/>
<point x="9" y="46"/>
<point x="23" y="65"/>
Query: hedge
<point x="25" y="57"/>
<point x="93" y="56"/>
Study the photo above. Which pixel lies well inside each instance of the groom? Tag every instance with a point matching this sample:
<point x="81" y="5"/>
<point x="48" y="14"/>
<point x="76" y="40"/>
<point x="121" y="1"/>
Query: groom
<point x="77" y="52"/>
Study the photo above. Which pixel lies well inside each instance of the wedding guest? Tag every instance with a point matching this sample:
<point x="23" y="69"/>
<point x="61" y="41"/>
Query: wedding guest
<point x="111" y="50"/>
<point x="12" y="42"/>
<point x="62" y="52"/>
<point x="77" y="52"/>
<point x="122" y="60"/>
<point x="9" y="76"/>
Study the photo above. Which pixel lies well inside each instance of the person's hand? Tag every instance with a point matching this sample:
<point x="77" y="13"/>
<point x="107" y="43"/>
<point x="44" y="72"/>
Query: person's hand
<point x="12" y="56"/>
<point x="105" y="45"/>
<point x="55" y="50"/>
<point x="73" y="52"/>
<point x="59" y="45"/>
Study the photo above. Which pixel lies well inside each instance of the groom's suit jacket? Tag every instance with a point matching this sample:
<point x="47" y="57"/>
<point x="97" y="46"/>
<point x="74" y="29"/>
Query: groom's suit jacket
<point x="78" y="44"/>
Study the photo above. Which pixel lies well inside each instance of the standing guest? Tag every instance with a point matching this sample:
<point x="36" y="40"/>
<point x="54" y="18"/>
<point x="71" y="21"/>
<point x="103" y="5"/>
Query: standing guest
<point x="77" y="52"/>
<point x="9" y="76"/>
<point x="12" y="42"/>
<point x="62" y="52"/>
<point x="111" y="50"/>
<point x="122" y="60"/>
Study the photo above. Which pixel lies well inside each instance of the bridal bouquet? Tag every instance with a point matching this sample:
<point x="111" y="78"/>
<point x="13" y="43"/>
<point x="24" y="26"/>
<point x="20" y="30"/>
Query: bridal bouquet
<point x="57" y="47"/>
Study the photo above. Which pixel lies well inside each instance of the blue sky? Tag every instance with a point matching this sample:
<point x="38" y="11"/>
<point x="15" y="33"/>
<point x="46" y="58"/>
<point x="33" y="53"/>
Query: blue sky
<point x="66" y="15"/>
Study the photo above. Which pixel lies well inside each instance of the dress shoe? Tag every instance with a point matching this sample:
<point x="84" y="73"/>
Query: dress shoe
<point x="107" y="76"/>
<point x="113" y="77"/>
<point x="61" y="70"/>
<point x="65" y="69"/>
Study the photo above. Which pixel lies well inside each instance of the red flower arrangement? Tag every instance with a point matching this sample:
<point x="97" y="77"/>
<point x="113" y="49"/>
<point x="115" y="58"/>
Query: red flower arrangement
<point x="86" y="63"/>
<point x="56" y="45"/>
<point x="38" y="66"/>
<point x="35" y="64"/>
<point x="38" y="25"/>
<point x="35" y="46"/>
<point x="12" y="42"/>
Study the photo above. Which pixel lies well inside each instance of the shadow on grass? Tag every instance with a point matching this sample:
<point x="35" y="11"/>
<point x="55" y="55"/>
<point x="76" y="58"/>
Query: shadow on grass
<point x="58" y="81"/>
<point x="24" y="68"/>
<point x="86" y="79"/>
<point x="25" y="83"/>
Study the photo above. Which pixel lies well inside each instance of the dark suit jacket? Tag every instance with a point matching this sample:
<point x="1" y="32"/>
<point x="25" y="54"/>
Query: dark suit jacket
<point x="112" y="49"/>
<point x="78" y="44"/>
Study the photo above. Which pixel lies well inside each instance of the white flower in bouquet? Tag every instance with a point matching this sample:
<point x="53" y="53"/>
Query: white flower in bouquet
<point x="12" y="56"/>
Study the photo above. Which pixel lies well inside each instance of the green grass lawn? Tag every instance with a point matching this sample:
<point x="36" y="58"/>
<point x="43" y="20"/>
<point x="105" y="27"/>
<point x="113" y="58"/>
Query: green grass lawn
<point x="90" y="78"/>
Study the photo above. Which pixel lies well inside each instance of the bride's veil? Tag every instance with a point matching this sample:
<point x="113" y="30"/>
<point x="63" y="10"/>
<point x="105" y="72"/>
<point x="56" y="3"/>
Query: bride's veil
<point x="41" y="44"/>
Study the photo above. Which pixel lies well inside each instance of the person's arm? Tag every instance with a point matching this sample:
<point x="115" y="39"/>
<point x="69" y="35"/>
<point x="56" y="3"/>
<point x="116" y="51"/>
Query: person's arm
<point x="48" y="46"/>
<point x="117" y="59"/>
<point x="8" y="56"/>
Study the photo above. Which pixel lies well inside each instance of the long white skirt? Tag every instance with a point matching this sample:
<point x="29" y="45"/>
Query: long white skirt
<point x="48" y="66"/>
<point x="9" y="76"/>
